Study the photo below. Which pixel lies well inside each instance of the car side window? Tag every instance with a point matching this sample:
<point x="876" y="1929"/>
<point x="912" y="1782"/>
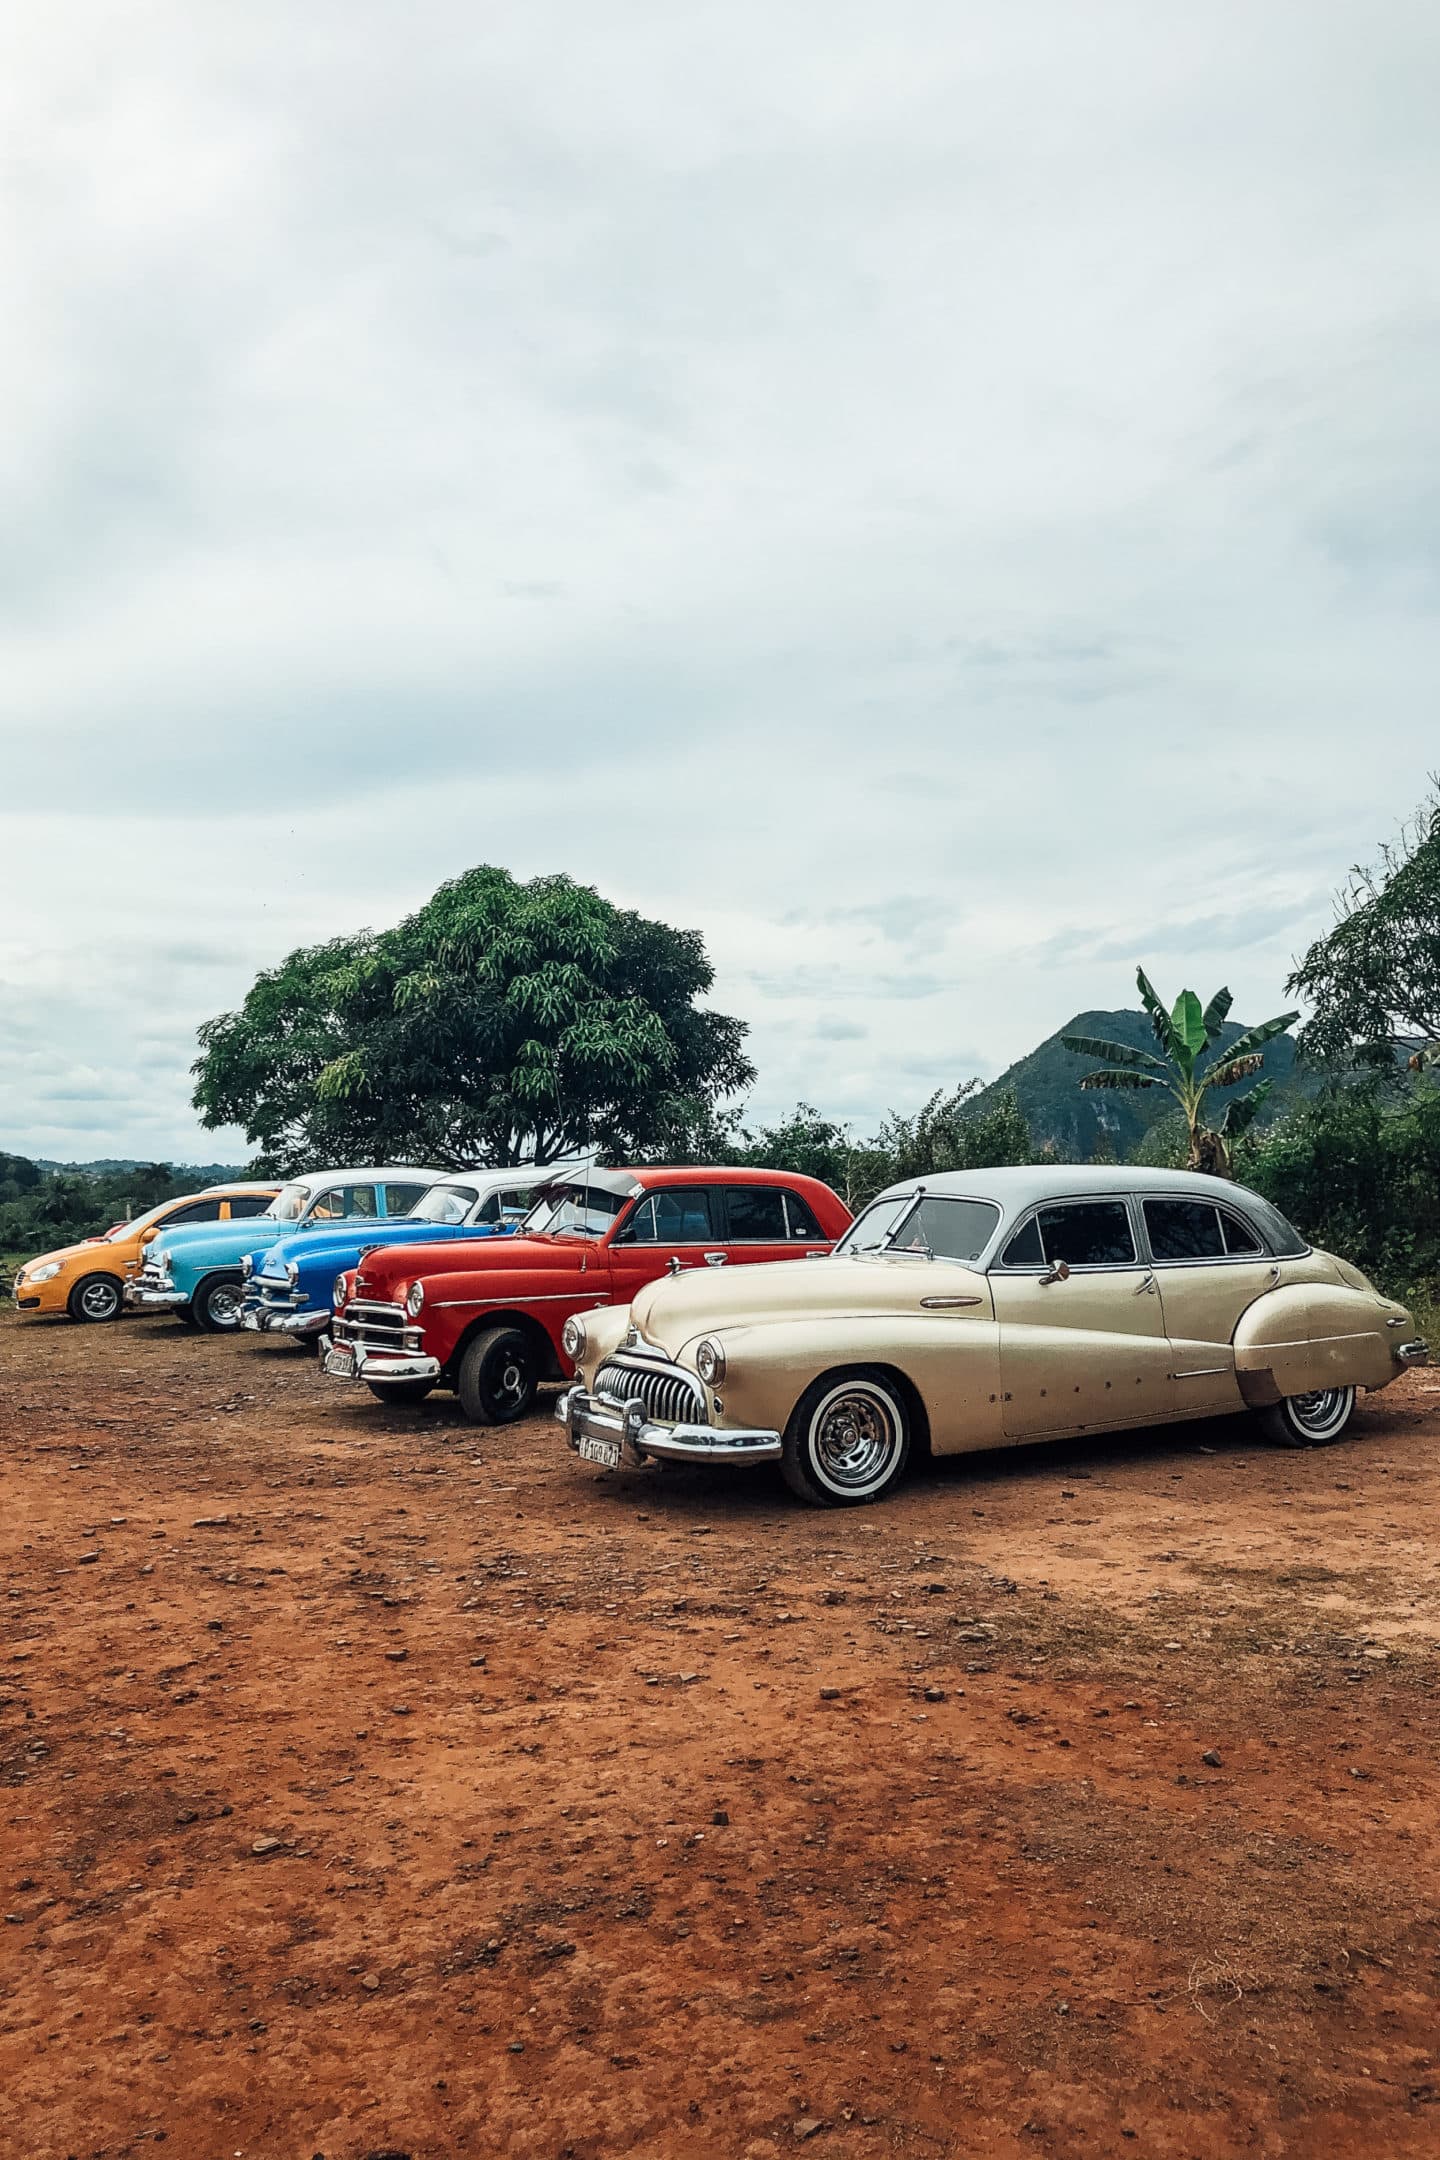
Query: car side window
<point x="197" y="1211"/>
<point x="399" y="1199"/>
<point x="1088" y="1233"/>
<point x="517" y="1199"/>
<point x="756" y="1215"/>
<point x="1241" y="1242"/>
<point x="345" y="1203"/>
<point x="1025" y="1249"/>
<point x="488" y="1210"/>
<point x="245" y="1205"/>
<point x="799" y="1217"/>
<point x="1183" y="1230"/>
<point x="681" y="1217"/>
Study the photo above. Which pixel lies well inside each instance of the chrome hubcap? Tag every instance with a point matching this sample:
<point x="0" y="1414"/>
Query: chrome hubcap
<point x="99" y="1302"/>
<point x="510" y="1382"/>
<point x="854" y="1437"/>
<point x="1321" y="1412"/>
<point x="224" y="1306"/>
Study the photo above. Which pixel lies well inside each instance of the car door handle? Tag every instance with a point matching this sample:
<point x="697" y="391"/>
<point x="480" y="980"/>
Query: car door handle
<point x="716" y="1259"/>
<point x="1148" y="1284"/>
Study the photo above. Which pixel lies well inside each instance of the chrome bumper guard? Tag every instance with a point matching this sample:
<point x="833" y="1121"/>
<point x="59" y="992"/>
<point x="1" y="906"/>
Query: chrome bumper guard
<point x="269" y="1320"/>
<point x="1412" y="1353"/>
<point x="374" y="1366"/>
<point x="139" y="1294"/>
<point x="602" y="1418"/>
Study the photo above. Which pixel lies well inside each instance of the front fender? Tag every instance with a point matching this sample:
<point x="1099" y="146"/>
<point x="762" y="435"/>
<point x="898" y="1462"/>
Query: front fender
<point x="1317" y="1335"/>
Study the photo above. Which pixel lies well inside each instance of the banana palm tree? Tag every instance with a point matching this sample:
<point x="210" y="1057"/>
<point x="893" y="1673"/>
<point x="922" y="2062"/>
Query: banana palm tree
<point x="1184" y="1036"/>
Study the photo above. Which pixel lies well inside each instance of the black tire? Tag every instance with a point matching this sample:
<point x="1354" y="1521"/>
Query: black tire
<point x="215" y="1306"/>
<point x="848" y="1439"/>
<point x="1315" y="1420"/>
<point x="400" y="1390"/>
<point x="186" y="1318"/>
<point x="95" y="1298"/>
<point x="498" y="1377"/>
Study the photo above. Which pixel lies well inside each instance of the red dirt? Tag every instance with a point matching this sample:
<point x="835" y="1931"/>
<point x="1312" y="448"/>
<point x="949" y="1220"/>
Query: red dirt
<point x="614" y="1815"/>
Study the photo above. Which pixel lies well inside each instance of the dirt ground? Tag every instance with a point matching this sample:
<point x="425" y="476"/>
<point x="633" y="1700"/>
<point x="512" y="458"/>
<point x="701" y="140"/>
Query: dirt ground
<point x="372" y="1785"/>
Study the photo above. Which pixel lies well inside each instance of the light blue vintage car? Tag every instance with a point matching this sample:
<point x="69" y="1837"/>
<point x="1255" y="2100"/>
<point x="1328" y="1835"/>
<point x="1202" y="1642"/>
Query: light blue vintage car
<point x="288" y="1284"/>
<point x="197" y="1273"/>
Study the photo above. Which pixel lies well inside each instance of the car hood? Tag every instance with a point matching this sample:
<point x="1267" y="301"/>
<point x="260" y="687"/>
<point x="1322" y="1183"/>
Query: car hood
<point x="207" y="1242"/>
<point x="342" y="1248"/>
<point x="678" y="1309"/>
<point x="473" y="1253"/>
<point x="86" y="1249"/>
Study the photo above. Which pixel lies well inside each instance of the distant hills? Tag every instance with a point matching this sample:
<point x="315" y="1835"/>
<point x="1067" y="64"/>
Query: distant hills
<point x="1046" y="1083"/>
<point x="195" y="1174"/>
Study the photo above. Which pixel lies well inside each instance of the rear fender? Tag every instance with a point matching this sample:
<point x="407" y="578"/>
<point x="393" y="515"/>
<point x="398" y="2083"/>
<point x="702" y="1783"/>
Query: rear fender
<point x="1313" y="1335"/>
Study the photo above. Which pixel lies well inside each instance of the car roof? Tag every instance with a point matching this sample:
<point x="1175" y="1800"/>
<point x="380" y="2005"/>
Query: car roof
<point x="1021" y="1185"/>
<point x="715" y="1173"/>
<point x="322" y="1180"/>
<point x="234" y="1185"/>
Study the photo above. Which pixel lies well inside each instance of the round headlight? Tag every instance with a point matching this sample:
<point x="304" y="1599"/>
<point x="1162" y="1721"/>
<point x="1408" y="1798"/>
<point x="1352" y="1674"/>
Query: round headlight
<point x="247" y="1268"/>
<point x="710" y="1362"/>
<point x="292" y="1272"/>
<point x="414" y="1298"/>
<point x="337" y="1295"/>
<point x="572" y="1338"/>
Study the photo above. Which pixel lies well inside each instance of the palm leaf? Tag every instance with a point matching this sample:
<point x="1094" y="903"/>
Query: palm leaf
<point x="1240" y="1114"/>
<point x="1188" y="1022"/>
<point x="1160" y="1020"/>
<point x="1126" y="1077"/>
<point x="1113" y="1053"/>
<point x="1235" y="1069"/>
<point x="1255" y="1038"/>
<point x="1217" y="1012"/>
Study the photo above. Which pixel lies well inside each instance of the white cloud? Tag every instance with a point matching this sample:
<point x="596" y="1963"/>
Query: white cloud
<point x="938" y="499"/>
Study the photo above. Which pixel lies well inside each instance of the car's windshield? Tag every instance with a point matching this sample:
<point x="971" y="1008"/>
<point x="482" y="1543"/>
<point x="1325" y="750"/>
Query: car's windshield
<point x="578" y="1210"/>
<point x="133" y="1229"/>
<point x="444" y="1204"/>
<point x="928" y="1224"/>
<point x="288" y="1204"/>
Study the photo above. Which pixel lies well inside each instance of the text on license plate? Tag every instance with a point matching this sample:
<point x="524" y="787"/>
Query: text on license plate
<point x="340" y="1362"/>
<point x="604" y="1452"/>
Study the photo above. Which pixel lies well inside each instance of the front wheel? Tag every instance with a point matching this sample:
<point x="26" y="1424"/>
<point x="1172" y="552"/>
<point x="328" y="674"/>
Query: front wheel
<point x="400" y="1390"/>
<point x="848" y="1440"/>
<point x="1313" y="1420"/>
<point x="216" y="1304"/>
<point x="497" y="1378"/>
<point x="95" y="1297"/>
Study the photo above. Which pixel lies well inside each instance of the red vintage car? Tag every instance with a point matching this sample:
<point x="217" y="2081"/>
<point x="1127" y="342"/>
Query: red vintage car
<point x="486" y="1318"/>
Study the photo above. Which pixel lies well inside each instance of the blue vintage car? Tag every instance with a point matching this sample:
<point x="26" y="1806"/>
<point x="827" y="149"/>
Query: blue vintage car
<point x="197" y="1273"/>
<point x="288" y="1284"/>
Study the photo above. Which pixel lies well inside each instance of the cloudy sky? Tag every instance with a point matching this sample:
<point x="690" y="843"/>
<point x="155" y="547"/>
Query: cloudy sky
<point x="941" y="497"/>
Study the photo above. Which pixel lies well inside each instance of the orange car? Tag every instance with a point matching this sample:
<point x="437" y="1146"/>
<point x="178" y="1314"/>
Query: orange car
<point x="88" y="1280"/>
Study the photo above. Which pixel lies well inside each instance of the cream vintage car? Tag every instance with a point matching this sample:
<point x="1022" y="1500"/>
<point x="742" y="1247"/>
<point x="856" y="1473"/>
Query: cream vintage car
<point x="983" y="1309"/>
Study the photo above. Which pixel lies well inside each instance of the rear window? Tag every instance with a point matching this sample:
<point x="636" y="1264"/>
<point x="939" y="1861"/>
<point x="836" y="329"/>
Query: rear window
<point x="681" y="1217"/>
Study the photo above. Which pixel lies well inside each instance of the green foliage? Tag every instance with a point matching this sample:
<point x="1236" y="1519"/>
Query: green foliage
<point x="950" y="1132"/>
<point x="500" y="1022"/>
<point x="1359" y="1173"/>
<point x="1374" y="980"/>
<point x="1186" y="1036"/>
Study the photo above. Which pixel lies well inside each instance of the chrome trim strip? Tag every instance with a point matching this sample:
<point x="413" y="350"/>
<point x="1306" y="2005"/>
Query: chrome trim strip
<point x="533" y="1297"/>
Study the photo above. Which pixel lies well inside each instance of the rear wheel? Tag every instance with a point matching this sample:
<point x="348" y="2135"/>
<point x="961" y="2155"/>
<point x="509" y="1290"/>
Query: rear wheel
<point x="848" y="1440"/>
<point x="400" y="1390"/>
<point x="94" y="1297"/>
<point x="1313" y="1420"/>
<point x="215" y="1306"/>
<point x="497" y="1378"/>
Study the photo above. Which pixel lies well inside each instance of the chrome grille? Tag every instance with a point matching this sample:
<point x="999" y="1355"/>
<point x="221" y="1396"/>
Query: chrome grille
<point x="273" y="1293"/>
<point x="375" y="1326"/>
<point x="670" y="1394"/>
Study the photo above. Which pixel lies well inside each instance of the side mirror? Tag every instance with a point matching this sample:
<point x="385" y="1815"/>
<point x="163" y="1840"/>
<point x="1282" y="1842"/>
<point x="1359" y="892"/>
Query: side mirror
<point x="1060" y="1272"/>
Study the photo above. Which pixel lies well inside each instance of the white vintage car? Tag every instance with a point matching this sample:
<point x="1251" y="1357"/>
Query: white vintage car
<point x="979" y="1309"/>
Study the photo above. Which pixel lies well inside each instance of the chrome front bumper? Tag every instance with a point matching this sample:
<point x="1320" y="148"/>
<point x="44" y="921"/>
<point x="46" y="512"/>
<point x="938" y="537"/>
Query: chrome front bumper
<point x="352" y="1361"/>
<point x="152" y="1300"/>
<point x="601" y="1419"/>
<point x="1407" y="1354"/>
<point x="270" y="1320"/>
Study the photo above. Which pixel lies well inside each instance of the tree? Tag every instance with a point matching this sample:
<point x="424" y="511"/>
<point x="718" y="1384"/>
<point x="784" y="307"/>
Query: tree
<point x="500" y="1022"/>
<point x="1186" y="1036"/>
<point x="1374" y="981"/>
<point x="949" y="1134"/>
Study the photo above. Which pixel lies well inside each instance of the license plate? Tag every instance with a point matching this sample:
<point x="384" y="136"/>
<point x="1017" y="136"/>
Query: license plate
<point x="604" y="1452"/>
<point x="340" y="1362"/>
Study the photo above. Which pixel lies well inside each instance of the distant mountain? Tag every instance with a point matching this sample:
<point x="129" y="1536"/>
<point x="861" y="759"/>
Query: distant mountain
<point x="116" y="1166"/>
<point x="1047" y="1087"/>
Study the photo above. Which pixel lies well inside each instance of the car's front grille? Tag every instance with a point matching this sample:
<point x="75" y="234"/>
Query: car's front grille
<point x="670" y="1394"/>
<point x="272" y="1293"/>
<point x="375" y="1326"/>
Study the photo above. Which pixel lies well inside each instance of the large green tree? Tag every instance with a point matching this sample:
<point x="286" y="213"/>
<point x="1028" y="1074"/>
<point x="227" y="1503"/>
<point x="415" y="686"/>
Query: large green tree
<point x="1373" y="982"/>
<point x="502" y="1022"/>
<point x="1188" y="1067"/>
